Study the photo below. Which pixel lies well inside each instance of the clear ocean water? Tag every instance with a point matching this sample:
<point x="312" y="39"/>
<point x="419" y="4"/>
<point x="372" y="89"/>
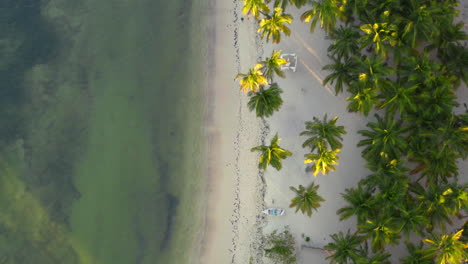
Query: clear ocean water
<point x="100" y="130"/>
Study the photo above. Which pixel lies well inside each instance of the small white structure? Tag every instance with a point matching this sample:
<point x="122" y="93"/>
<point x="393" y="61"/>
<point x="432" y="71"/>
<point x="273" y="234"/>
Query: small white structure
<point x="273" y="211"/>
<point x="292" y="61"/>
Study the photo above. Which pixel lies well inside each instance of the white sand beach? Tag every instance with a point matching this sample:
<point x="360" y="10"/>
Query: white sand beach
<point x="237" y="191"/>
<point x="233" y="229"/>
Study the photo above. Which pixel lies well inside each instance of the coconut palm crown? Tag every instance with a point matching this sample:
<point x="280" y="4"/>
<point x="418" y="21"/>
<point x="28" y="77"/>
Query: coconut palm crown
<point x="345" y="248"/>
<point x="327" y="11"/>
<point x="272" y="65"/>
<point x="342" y="73"/>
<point x="360" y="204"/>
<point x="253" y="80"/>
<point x="272" y="26"/>
<point x="306" y="199"/>
<point x="382" y="231"/>
<point x="345" y="43"/>
<point x="447" y="249"/>
<point x="272" y="155"/>
<point x="323" y="133"/>
<point x="324" y="161"/>
<point x="266" y="101"/>
<point x="254" y="8"/>
<point x="385" y="141"/>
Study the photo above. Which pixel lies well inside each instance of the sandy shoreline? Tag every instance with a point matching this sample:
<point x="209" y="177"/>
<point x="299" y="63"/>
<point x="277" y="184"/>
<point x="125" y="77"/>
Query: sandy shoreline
<point x="234" y="196"/>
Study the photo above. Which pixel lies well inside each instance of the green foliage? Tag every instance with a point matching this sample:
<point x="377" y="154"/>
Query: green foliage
<point x="323" y="133"/>
<point x="344" y="248"/>
<point x="381" y="35"/>
<point x="385" y="141"/>
<point x="284" y="3"/>
<point x="398" y="98"/>
<point x="411" y="218"/>
<point x="272" y="65"/>
<point x="416" y="255"/>
<point x="379" y="257"/>
<point x="265" y="102"/>
<point x="306" y="199"/>
<point x="324" y="161"/>
<point x="382" y="231"/>
<point x="254" y="8"/>
<point x="272" y="155"/>
<point x="363" y="98"/>
<point x="342" y="73"/>
<point x="435" y="165"/>
<point x="360" y="203"/>
<point x="345" y="45"/>
<point x="455" y="57"/>
<point x="447" y="249"/>
<point x="325" y="11"/>
<point x="272" y="26"/>
<point x="439" y="202"/>
<point x="253" y="80"/>
<point x="280" y="247"/>
<point x="418" y="21"/>
<point x="373" y="70"/>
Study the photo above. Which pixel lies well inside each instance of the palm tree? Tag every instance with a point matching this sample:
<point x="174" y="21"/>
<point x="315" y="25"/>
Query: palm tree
<point x="272" y="65"/>
<point x="324" y="161"/>
<point x="419" y="69"/>
<point x="360" y="203"/>
<point x="393" y="194"/>
<point x="382" y="231"/>
<point x="449" y="34"/>
<point x="265" y="102"/>
<point x="416" y="255"/>
<point x="434" y="202"/>
<point x="323" y="133"/>
<point x="455" y="57"/>
<point x="345" y="44"/>
<point x="398" y="98"/>
<point x="412" y="219"/>
<point x="359" y="9"/>
<point x="435" y="165"/>
<point x="376" y="258"/>
<point x="447" y="249"/>
<point x="284" y="3"/>
<point x="255" y="7"/>
<point x="253" y="80"/>
<point x="456" y="198"/>
<point x="342" y="73"/>
<point x="385" y="175"/>
<point x="362" y="99"/>
<point x="385" y="140"/>
<point x="273" y="26"/>
<point x="344" y="248"/>
<point x="306" y="200"/>
<point x="417" y="22"/>
<point x="381" y="35"/>
<point x="272" y="155"/>
<point x="373" y="69"/>
<point x="435" y="102"/>
<point x="327" y="11"/>
<point x="453" y="134"/>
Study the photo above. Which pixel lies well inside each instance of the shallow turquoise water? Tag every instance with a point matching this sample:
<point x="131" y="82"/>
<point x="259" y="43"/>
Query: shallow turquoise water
<point x="107" y="140"/>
